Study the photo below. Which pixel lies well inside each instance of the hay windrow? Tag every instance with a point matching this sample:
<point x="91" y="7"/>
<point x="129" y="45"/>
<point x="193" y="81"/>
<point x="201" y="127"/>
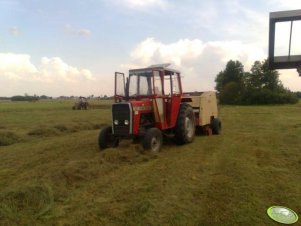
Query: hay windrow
<point x="78" y="171"/>
<point x="43" y="132"/>
<point x="57" y="129"/>
<point x="61" y="127"/>
<point x="8" y="138"/>
<point x="29" y="200"/>
<point x="128" y="156"/>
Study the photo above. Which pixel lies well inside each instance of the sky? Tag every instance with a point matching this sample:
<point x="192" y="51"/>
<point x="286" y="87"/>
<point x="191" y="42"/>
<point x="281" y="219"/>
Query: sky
<point x="73" y="47"/>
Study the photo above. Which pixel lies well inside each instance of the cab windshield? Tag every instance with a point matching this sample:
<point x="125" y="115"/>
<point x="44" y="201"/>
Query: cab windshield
<point x="140" y="83"/>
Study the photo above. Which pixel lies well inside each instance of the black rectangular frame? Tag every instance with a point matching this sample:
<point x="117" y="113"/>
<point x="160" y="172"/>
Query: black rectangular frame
<point x="282" y="62"/>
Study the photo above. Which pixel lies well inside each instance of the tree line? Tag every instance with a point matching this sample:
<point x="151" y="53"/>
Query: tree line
<point x="259" y="86"/>
<point x="27" y="97"/>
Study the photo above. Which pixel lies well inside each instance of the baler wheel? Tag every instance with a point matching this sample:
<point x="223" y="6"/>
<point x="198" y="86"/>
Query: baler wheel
<point x="216" y="126"/>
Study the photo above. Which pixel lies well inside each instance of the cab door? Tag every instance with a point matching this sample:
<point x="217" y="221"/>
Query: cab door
<point x="119" y="93"/>
<point x="172" y="94"/>
<point x="159" y="108"/>
<point x="175" y="101"/>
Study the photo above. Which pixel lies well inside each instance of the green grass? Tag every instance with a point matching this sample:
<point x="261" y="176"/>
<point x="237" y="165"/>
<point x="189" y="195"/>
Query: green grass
<point x="52" y="173"/>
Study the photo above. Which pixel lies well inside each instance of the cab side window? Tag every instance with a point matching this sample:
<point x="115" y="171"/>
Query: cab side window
<point x="144" y="86"/>
<point x="157" y="83"/>
<point x="175" y="84"/>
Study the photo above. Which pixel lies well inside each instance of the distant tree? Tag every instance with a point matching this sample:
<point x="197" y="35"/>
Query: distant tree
<point x="298" y="94"/>
<point x="18" y="98"/>
<point x="259" y="86"/>
<point x="231" y="93"/>
<point x="5" y="98"/>
<point x="44" y="97"/>
<point x="262" y="77"/>
<point x="24" y="98"/>
<point x="219" y="81"/>
<point x="264" y="87"/>
<point x="230" y="83"/>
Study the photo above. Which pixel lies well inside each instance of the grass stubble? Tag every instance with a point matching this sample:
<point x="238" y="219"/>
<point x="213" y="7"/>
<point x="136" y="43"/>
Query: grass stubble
<point x="52" y="173"/>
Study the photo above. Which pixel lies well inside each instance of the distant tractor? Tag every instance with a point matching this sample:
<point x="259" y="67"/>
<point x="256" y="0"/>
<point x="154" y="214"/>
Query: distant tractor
<point x="152" y="104"/>
<point x="81" y="104"/>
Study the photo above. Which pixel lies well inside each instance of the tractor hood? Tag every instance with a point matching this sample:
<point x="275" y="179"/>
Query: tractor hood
<point x="144" y="105"/>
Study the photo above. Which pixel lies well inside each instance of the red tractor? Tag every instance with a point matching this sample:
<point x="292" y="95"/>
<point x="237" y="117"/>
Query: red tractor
<point x="152" y="104"/>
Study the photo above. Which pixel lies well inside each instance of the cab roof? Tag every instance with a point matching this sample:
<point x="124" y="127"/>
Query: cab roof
<point x="160" y="67"/>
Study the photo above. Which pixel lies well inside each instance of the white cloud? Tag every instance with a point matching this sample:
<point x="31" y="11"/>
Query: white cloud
<point x="286" y="5"/>
<point x="146" y="3"/>
<point x="52" y="76"/>
<point x="84" y="32"/>
<point x="141" y="4"/>
<point x="208" y="16"/>
<point x="290" y="79"/>
<point x="54" y="69"/>
<point x="245" y="24"/>
<point x="16" y="66"/>
<point x="14" y="31"/>
<point x="199" y="62"/>
<point x="77" y="32"/>
<point x="151" y="50"/>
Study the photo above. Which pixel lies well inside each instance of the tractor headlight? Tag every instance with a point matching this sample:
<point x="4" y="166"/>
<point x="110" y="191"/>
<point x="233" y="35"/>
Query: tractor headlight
<point x="116" y="122"/>
<point x="126" y="122"/>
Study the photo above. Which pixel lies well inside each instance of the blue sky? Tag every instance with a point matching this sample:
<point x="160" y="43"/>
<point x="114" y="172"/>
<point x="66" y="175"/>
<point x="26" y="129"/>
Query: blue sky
<point x="73" y="47"/>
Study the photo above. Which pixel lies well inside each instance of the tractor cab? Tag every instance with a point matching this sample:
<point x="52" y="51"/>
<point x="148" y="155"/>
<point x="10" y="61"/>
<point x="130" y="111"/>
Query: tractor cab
<point x="146" y="82"/>
<point x="156" y="88"/>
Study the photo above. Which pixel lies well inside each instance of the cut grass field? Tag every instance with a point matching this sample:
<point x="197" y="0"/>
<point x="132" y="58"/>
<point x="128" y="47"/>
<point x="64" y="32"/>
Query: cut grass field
<point x="52" y="172"/>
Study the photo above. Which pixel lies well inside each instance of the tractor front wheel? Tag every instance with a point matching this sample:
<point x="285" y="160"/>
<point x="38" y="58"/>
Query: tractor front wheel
<point x="106" y="139"/>
<point x="185" y="127"/>
<point x="153" y="140"/>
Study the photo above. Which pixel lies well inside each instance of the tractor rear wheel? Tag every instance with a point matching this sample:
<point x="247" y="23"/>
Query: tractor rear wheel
<point x="216" y="126"/>
<point x="153" y="140"/>
<point x="185" y="126"/>
<point x="106" y="139"/>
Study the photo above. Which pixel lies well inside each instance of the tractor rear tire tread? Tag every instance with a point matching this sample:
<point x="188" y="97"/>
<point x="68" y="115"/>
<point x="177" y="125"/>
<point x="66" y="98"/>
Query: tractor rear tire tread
<point x="181" y="135"/>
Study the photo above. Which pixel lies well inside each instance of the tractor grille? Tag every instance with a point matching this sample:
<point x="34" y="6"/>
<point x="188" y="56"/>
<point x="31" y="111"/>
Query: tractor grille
<point x="122" y="112"/>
